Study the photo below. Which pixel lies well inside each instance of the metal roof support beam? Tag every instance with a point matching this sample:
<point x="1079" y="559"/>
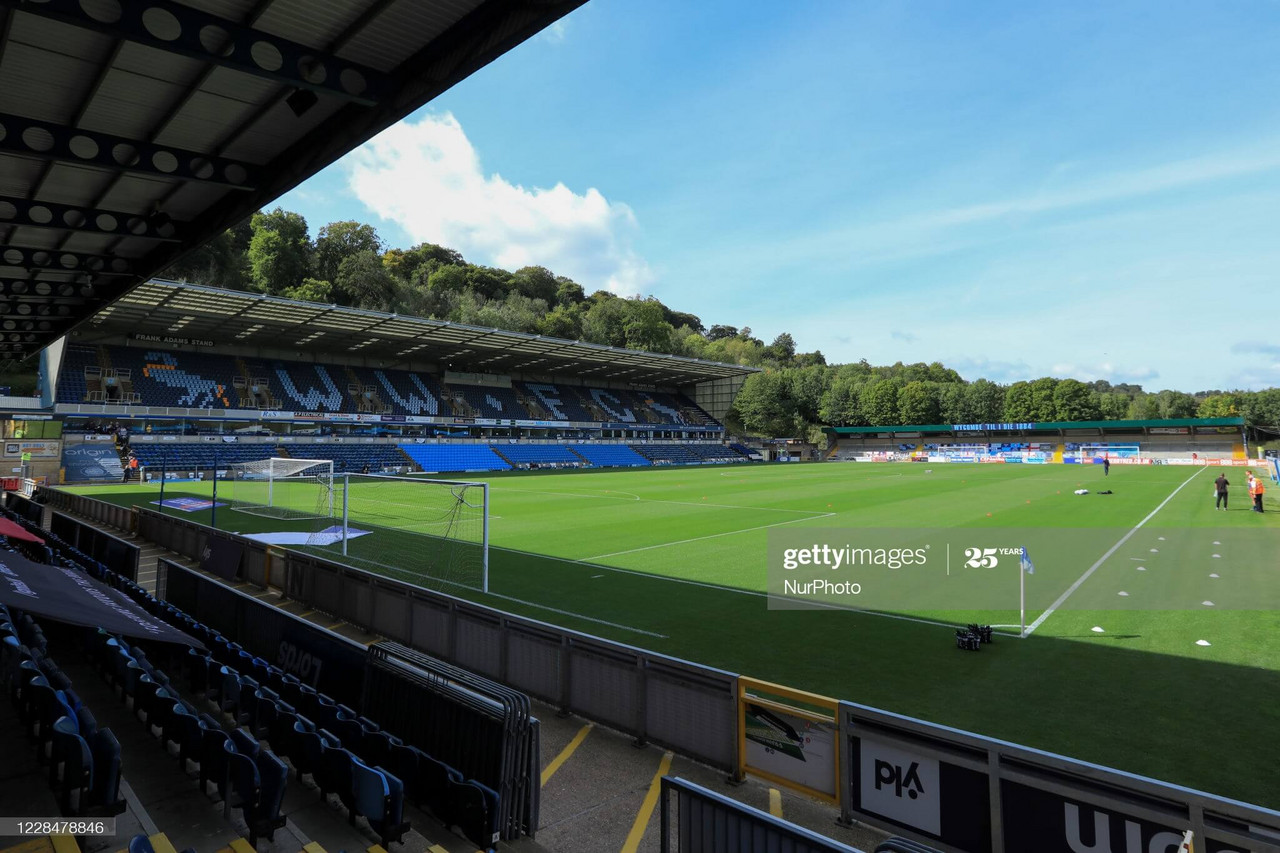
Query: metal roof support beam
<point x="46" y="141"/>
<point x="75" y="262"/>
<point x="64" y="217"/>
<point x="189" y="32"/>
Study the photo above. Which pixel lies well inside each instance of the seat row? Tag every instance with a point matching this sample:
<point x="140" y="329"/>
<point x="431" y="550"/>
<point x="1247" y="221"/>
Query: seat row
<point x="245" y="776"/>
<point x="83" y="759"/>
<point x="371" y="771"/>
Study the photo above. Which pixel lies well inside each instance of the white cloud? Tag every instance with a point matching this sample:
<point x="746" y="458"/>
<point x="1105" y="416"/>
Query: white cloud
<point x="427" y="177"/>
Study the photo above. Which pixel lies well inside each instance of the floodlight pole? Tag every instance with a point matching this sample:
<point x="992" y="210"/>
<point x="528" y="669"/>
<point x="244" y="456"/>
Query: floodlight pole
<point x="346" y="506"/>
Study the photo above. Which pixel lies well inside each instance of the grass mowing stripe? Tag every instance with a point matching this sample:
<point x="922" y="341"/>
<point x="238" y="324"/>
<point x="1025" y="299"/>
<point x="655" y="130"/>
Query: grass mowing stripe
<point x="1116" y="547"/>
<point x="701" y="538"/>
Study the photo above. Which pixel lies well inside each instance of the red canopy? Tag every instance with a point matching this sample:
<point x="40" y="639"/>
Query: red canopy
<point x="13" y="531"/>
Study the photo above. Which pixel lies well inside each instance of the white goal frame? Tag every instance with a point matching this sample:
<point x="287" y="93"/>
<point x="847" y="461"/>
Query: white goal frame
<point x="348" y="479"/>
<point x="1107" y="450"/>
<point x="285" y="470"/>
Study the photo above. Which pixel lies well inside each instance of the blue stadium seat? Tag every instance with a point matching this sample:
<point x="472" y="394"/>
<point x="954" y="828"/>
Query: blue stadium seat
<point x="70" y="765"/>
<point x="539" y="454"/>
<point x="379" y="796"/>
<point x="610" y="455"/>
<point x="455" y="457"/>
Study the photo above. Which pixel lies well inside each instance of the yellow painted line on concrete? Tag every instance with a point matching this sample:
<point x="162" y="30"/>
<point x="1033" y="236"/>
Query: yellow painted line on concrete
<point x="64" y="843"/>
<point x="775" y="802"/>
<point x="335" y="625"/>
<point x="313" y="847"/>
<point x="305" y="615"/>
<point x="377" y="848"/>
<point x="241" y="845"/>
<point x="646" y="807"/>
<point x="261" y="594"/>
<point x="550" y="769"/>
<point x="161" y="844"/>
<point x="436" y="848"/>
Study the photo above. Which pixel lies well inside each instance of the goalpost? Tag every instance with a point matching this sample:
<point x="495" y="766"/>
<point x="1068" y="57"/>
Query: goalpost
<point x="1089" y="452"/>
<point x="281" y="488"/>
<point x="427" y="531"/>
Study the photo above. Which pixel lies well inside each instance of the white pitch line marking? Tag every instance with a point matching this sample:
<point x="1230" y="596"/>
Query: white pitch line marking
<point x="633" y="499"/>
<point x="701" y="538"/>
<point x="1116" y="547"/>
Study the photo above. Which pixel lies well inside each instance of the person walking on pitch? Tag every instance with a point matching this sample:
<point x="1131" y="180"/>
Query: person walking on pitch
<point x="1106" y="467"/>
<point x="1258" y="489"/>
<point x="1220" y="491"/>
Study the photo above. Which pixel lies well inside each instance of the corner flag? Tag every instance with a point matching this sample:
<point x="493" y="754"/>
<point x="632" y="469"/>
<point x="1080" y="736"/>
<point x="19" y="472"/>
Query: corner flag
<point x="1025" y="560"/>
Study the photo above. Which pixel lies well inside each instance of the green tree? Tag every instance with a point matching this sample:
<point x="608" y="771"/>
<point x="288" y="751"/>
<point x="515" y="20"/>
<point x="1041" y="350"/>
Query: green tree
<point x="783" y="348"/>
<point x="1220" y="406"/>
<point x="645" y="328"/>
<point x="1262" y="408"/>
<point x="1043" y="405"/>
<point x="451" y="278"/>
<point x="1113" y="405"/>
<point x="488" y="282"/>
<point x="1019" y="403"/>
<point x="1075" y="401"/>
<point x="338" y="241"/>
<point x="879" y="403"/>
<point x="718" y="333"/>
<point x="363" y="282"/>
<point x="986" y="402"/>
<point x="562" y="322"/>
<point x="536" y="283"/>
<point x="279" y="251"/>
<point x="918" y="403"/>
<point x="765" y="405"/>
<point x="839" y="405"/>
<point x="1176" y="404"/>
<point x="1144" y="407"/>
<point x="222" y="262"/>
<point x="311" y="290"/>
<point x="606" y="323"/>
<point x="568" y="292"/>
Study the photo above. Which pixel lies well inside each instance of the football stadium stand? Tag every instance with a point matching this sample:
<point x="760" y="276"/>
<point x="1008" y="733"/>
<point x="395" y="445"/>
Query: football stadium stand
<point x="159" y="378"/>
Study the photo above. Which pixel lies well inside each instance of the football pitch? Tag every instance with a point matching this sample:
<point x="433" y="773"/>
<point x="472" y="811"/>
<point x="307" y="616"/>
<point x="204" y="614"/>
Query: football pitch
<point x="1155" y="635"/>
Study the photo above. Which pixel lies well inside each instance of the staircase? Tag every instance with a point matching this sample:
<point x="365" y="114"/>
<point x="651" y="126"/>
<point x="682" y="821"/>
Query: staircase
<point x="534" y="408"/>
<point x="241" y="384"/>
<point x="365" y="397"/>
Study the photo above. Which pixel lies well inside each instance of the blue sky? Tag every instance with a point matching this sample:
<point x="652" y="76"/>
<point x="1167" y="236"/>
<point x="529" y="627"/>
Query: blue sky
<point x="1086" y="189"/>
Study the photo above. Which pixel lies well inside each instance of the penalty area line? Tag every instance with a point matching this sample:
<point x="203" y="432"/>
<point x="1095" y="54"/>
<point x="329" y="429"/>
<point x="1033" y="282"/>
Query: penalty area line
<point x="701" y="538"/>
<point x="1116" y="547"/>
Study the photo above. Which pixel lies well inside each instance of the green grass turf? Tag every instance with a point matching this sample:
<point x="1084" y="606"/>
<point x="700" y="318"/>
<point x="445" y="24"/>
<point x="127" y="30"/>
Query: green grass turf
<point x="1142" y="696"/>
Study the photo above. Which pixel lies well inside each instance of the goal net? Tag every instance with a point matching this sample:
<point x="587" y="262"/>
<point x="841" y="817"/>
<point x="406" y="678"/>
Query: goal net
<point x="432" y="533"/>
<point x="281" y="488"/>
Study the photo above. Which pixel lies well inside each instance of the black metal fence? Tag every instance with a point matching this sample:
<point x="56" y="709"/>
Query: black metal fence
<point x="706" y="822"/>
